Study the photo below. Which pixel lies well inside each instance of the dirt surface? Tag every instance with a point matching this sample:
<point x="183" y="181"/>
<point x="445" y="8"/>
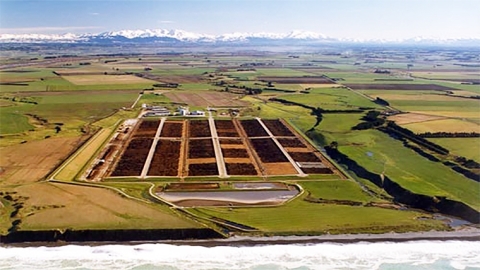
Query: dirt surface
<point x="280" y="168"/>
<point x="165" y="161"/>
<point x="240" y="169"/>
<point x="202" y="169"/>
<point x="31" y="161"/>
<point x="202" y="148"/>
<point x="147" y="128"/>
<point x="268" y="151"/>
<point x="191" y="186"/>
<point x="253" y="128"/>
<point x="133" y="159"/>
<point x="277" y="128"/>
<point x="172" y="129"/>
<point x="198" y="128"/>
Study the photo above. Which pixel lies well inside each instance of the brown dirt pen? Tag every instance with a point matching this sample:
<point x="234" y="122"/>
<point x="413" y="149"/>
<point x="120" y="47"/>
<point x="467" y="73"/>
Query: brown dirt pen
<point x="226" y="128"/>
<point x="304" y="157"/>
<point x="230" y="141"/>
<point x="191" y="186"/>
<point x="199" y="128"/>
<point x="253" y="128"/>
<point x="202" y="169"/>
<point x="172" y="129"/>
<point x="268" y="151"/>
<point x="132" y="161"/>
<point x="317" y="170"/>
<point x="287" y="142"/>
<point x="240" y="169"/>
<point x="277" y="128"/>
<point x="166" y="158"/>
<point x="202" y="148"/>
<point x="234" y="153"/>
<point x="147" y="128"/>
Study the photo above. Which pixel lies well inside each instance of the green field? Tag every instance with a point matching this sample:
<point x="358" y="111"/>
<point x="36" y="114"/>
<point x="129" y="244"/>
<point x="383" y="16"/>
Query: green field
<point x="331" y="99"/>
<point x="465" y="147"/>
<point x="13" y="123"/>
<point x="303" y="218"/>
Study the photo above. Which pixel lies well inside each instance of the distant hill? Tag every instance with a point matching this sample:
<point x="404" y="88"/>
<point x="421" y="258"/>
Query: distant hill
<point x="164" y="36"/>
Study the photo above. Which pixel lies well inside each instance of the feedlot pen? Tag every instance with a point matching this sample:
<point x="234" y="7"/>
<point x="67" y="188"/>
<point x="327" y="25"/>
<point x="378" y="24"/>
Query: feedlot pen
<point x="199" y="148"/>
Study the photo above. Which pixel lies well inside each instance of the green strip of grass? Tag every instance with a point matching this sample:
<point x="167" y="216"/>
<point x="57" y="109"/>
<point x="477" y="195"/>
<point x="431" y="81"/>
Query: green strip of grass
<point x="12" y="123"/>
<point x="300" y="217"/>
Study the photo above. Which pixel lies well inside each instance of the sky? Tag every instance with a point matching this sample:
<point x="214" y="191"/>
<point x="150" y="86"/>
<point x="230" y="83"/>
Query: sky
<point x="359" y="19"/>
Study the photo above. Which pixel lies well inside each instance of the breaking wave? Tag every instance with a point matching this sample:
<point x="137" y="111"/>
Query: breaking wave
<point x="381" y="255"/>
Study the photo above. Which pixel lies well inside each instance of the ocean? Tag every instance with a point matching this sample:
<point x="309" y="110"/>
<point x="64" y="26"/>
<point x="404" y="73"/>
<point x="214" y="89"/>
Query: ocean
<point x="362" y="255"/>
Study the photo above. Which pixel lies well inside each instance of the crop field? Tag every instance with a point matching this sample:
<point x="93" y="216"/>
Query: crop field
<point x="105" y="79"/>
<point x="408" y="118"/>
<point x="444" y="125"/>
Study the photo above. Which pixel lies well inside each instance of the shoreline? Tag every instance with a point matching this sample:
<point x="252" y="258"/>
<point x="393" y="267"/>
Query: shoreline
<point x="464" y="234"/>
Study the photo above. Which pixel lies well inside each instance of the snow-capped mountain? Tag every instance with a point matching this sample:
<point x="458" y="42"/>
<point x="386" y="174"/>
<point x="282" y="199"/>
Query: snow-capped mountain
<point x="165" y="36"/>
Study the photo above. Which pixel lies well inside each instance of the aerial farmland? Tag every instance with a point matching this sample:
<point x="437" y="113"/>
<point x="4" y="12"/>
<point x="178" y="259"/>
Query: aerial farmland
<point x="248" y="143"/>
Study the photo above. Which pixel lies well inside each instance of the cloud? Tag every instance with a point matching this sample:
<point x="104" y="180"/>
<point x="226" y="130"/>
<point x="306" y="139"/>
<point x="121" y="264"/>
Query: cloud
<point x="46" y="29"/>
<point x="166" y="22"/>
<point x="94" y="13"/>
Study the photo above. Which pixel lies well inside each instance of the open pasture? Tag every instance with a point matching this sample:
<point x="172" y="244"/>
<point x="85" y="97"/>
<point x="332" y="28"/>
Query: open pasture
<point x="106" y="79"/>
<point x="418" y="97"/>
<point x="323" y="218"/>
<point x="464" y="147"/>
<point x="378" y="152"/>
<point x="443" y="125"/>
<point x="206" y="98"/>
<point x="408" y="118"/>
<point x="331" y="99"/>
<point x="454" y="76"/>
<point x="296" y="80"/>
<point x="13" y="123"/>
<point x="399" y="86"/>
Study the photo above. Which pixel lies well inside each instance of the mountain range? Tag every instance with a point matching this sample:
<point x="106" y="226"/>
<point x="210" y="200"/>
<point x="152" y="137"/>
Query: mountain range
<point x="164" y="36"/>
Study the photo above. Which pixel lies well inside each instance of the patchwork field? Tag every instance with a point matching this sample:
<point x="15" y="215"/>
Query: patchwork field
<point x="259" y="154"/>
<point x="253" y="151"/>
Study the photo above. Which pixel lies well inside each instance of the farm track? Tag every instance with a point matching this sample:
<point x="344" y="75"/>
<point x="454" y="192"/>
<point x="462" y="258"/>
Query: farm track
<point x="216" y="147"/>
